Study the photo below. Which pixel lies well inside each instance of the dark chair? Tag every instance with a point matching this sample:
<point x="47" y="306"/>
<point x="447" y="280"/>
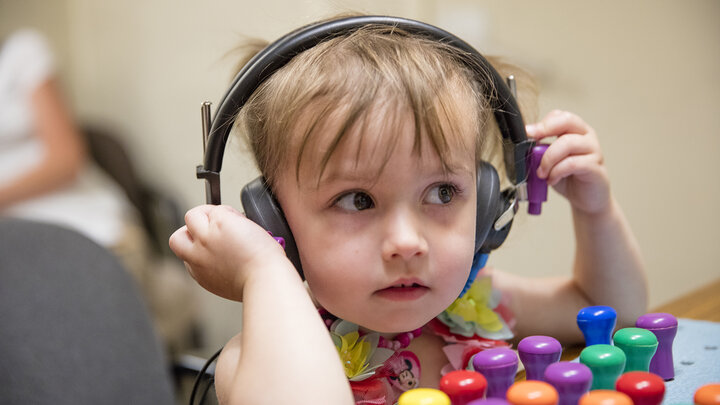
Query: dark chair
<point x="73" y="326"/>
<point x="161" y="214"/>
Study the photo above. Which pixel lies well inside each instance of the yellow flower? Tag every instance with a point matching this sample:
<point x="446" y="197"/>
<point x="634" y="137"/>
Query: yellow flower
<point x="360" y="355"/>
<point x="473" y="306"/>
<point x="354" y="353"/>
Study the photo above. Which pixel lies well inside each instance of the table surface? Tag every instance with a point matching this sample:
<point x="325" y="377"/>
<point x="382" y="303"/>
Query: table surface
<point x="701" y="304"/>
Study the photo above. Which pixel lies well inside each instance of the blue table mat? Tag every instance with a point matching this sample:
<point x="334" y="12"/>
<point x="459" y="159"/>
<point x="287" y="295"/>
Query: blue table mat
<point x="696" y="355"/>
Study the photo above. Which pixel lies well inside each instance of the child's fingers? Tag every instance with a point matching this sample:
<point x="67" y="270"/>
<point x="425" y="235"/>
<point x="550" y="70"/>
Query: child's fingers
<point x="221" y="213"/>
<point x="564" y="146"/>
<point x="180" y="241"/>
<point x="190" y="271"/>
<point x="576" y="165"/>
<point x="197" y="220"/>
<point x="557" y="123"/>
<point x="231" y="209"/>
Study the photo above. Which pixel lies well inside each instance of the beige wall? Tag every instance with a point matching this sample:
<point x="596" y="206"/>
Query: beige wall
<point x="643" y="73"/>
<point x="51" y="17"/>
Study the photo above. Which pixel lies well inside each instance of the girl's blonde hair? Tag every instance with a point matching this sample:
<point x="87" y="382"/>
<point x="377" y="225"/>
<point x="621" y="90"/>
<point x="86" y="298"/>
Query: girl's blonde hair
<point x="374" y="72"/>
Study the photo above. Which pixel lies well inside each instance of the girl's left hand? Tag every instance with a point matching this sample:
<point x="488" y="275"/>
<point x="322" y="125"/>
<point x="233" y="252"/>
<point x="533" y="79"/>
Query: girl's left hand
<point x="573" y="164"/>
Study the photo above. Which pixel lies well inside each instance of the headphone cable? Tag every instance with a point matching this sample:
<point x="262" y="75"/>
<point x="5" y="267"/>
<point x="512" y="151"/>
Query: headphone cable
<point x="199" y="376"/>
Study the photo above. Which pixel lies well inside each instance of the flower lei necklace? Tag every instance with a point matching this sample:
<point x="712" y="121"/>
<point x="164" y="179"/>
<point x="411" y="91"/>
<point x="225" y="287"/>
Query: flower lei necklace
<point x="363" y="353"/>
<point x="401" y="341"/>
<point x="379" y="370"/>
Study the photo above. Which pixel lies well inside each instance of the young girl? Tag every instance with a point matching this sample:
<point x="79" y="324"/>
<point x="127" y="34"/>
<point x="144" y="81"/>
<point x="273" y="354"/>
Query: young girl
<point x="370" y="142"/>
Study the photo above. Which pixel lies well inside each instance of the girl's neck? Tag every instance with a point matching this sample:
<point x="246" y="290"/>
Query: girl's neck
<point x="393" y="341"/>
<point x="398" y="341"/>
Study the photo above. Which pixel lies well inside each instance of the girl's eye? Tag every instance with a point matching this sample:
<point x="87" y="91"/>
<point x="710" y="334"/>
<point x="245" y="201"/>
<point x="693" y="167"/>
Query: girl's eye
<point x="355" y="201"/>
<point x="441" y="194"/>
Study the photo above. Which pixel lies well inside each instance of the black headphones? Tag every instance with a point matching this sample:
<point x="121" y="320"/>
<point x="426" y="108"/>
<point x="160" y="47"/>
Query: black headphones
<point x="495" y="208"/>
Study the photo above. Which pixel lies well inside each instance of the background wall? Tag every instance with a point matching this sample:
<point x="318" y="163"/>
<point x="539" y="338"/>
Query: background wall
<point x="643" y="73"/>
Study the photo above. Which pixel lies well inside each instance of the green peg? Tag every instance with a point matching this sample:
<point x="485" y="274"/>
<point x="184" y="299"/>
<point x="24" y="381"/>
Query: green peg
<point x="606" y="362"/>
<point x="639" y="346"/>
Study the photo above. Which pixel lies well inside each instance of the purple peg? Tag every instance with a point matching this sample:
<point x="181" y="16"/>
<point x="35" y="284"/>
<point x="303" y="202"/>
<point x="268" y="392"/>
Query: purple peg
<point x="537" y="188"/>
<point x="489" y="401"/>
<point x="499" y="366"/>
<point x="571" y="380"/>
<point x="664" y="326"/>
<point x="278" y="239"/>
<point x="536" y="353"/>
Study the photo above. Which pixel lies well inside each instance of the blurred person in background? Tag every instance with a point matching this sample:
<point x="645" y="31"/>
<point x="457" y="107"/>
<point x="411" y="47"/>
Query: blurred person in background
<point x="48" y="175"/>
<point x="45" y="173"/>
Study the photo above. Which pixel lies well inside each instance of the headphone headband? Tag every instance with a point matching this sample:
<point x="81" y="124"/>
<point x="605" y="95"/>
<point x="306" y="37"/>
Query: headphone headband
<point x="279" y="53"/>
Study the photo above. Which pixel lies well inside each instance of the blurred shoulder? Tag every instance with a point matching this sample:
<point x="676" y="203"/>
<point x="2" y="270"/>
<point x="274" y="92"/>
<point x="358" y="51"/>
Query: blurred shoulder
<point x="26" y="57"/>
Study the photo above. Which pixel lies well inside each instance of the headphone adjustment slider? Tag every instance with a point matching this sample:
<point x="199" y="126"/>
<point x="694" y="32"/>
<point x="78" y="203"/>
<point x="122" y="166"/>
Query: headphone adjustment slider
<point x="521" y="191"/>
<point x="506" y="217"/>
<point x="512" y="85"/>
<point x="206" y="122"/>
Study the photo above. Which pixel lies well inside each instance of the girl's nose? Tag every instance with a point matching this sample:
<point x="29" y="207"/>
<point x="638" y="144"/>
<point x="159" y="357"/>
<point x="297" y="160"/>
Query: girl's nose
<point x="404" y="238"/>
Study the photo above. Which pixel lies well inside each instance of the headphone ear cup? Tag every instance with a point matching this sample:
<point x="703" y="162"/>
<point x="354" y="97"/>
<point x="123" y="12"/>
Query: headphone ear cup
<point x="489" y="200"/>
<point x="261" y="207"/>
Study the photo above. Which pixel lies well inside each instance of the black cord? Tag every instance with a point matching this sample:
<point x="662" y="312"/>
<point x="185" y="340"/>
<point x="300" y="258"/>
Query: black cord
<point x="210" y="383"/>
<point x="196" y="384"/>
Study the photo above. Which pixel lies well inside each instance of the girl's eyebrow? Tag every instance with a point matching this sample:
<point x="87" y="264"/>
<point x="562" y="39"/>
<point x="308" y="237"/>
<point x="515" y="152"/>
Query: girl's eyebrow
<point x="369" y="177"/>
<point x="460" y="169"/>
<point x="333" y="175"/>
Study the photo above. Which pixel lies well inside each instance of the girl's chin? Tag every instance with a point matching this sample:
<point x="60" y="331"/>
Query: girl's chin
<point x="394" y="326"/>
<point x="387" y="321"/>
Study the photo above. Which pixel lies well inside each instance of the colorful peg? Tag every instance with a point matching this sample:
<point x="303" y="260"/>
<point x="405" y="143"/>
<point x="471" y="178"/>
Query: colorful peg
<point x="537" y="188"/>
<point x="538" y="352"/>
<point x="639" y="346"/>
<point x="463" y="386"/>
<point x="642" y="387"/>
<point x="597" y="324"/>
<point x="605" y="397"/>
<point x="606" y="363"/>
<point x="571" y="380"/>
<point x="532" y="392"/>
<point x="499" y="366"/>
<point x="489" y="401"/>
<point x="423" y="396"/>
<point x="664" y="326"/>
<point x="708" y="394"/>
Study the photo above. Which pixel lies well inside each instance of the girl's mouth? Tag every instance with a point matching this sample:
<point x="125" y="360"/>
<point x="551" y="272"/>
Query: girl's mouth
<point x="403" y="291"/>
<point x="405" y="285"/>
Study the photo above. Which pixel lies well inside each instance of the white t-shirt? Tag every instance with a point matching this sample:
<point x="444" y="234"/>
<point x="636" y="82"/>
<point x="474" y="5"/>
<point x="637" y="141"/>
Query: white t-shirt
<point x="93" y="205"/>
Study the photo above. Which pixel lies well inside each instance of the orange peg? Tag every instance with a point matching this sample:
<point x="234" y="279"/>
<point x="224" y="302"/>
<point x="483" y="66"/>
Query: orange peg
<point x="532" y="392"/>
<point x="605" y="397"/>
<point x="708" y="394"/>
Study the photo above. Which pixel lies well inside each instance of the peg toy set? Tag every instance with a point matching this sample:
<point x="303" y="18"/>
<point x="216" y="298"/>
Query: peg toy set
<point x="632" y="366"/>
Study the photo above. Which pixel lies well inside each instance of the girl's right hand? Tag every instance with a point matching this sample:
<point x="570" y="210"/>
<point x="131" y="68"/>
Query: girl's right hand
<point x="221" y="248"/>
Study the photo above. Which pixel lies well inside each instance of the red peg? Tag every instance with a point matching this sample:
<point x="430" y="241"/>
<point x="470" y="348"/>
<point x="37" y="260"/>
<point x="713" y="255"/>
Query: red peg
<point x="463" y="386"/>
<point x="644" y="388"/>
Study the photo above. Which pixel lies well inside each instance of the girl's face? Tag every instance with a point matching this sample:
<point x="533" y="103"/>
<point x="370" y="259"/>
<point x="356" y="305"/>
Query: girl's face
<point x="391" y="251"/>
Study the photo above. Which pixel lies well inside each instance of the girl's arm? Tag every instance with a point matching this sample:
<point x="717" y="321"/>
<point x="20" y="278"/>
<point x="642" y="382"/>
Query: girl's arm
<point x="285" y="354"/>
<point x="608" y="268"/>
<point x="63" y="147"/>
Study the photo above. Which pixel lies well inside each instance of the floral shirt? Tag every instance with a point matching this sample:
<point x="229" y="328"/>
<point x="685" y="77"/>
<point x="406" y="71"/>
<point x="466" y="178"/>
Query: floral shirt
<point x="477" y="321"/>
